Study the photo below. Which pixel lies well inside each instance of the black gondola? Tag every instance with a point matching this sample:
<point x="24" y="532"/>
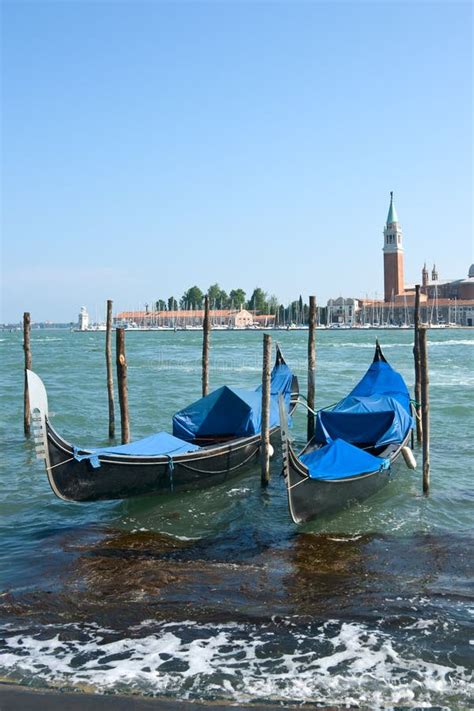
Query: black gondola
<point x="161" y="463"/>
<point x="355" y="444"/>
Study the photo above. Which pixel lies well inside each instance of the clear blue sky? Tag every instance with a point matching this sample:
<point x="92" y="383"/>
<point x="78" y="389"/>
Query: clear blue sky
<point x="150" y="146"/>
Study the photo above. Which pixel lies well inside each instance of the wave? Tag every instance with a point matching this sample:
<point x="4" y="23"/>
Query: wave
<point x="334" y="663"/>
<point x="405" y="344"/>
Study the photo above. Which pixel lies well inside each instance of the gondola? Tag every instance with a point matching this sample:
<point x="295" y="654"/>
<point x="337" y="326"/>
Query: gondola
<point x="212" y="440"/>
<point x="354" y="446"/>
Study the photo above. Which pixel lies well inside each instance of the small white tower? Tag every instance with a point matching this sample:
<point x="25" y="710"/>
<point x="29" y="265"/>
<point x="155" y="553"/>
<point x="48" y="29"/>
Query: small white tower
<point x="83" y="322"/>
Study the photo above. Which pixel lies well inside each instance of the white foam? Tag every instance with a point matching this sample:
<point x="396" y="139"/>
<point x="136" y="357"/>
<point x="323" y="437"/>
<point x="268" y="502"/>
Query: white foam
<point x="239" y="490"/>
<point x="242" y="663"/>
<point x="345" y="539"/>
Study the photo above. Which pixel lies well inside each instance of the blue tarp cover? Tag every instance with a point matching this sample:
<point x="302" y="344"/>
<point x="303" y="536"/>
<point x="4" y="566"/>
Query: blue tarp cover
<point x="157" y="444"/>
<point x="377" y="411"/>
<point x="232" y="412"/>
<point x="382" y="379"/>
<point x="340" y="460"/>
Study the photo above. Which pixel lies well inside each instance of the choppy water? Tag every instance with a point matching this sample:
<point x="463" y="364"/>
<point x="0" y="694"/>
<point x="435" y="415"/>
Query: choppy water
<point x="217" y="595"/>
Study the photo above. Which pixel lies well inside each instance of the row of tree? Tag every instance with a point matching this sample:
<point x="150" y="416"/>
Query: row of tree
<point x="259" y="302"/>
<point x="193" y="298"/>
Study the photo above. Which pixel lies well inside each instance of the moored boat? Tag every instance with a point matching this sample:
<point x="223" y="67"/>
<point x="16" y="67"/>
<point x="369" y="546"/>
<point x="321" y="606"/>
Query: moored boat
<point x="354" y="447"/>
<point x="212" y="440"/>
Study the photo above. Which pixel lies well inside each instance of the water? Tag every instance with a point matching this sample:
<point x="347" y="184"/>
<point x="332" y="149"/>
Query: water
<point x="217" y="595"/>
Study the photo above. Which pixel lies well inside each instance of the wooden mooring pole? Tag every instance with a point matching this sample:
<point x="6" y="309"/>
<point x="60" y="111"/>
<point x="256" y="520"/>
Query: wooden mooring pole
<point x="266" y="389"/>
<point x="110" y="376"/>
<point x="311" y="365"/>
<point x="425" y="407"/>
<point x="27" y="350"/>
<point x="122" y="385"/>
<point x="206" y="329"/>
<point x="416" y="356"/>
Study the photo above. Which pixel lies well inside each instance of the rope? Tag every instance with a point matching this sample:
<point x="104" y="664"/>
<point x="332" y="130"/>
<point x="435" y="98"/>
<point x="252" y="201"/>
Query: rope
<point x="298" y="483"/>
<point x="416" y="409"/>
<point x="170" y="472"/>
<point x="66" y="461"/>
<point x="220" y="471"/>
<point x="313" y="412"/>
<point x="171" y="469"/>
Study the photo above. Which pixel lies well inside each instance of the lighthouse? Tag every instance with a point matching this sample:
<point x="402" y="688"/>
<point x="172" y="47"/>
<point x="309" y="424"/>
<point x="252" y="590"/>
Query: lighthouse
<point x="83" y="320"/>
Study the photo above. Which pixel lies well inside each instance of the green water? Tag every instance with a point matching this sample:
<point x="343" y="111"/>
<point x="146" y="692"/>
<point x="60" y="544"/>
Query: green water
<point x="385" y="582"/>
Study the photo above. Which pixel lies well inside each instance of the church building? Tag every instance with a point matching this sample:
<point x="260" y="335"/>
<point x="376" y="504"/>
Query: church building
<point x="442" y="302"/>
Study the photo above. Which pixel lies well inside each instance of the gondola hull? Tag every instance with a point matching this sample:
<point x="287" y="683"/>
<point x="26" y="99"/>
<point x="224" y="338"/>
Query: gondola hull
<point x="310" y="498"/>
<point x="94" y="475"/>
<point x="125" y="477"/>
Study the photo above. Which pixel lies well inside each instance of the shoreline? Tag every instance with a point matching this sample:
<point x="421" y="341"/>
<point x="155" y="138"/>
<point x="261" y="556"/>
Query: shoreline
<point x="15" y="697"/>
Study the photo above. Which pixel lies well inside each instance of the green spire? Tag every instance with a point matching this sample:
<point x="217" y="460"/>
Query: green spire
<point x="392" y="213"/>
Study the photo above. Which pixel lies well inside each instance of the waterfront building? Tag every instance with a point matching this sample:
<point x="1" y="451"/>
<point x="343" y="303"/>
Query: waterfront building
<point x="460" y="289"/>
<point x="193" y="318"/>
<point x="342" y="311"/>
<point x="442" y="302"/>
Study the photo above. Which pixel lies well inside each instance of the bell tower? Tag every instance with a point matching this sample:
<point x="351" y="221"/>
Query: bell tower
<point x="392" y="255"/>
<point x="424" y="276"/>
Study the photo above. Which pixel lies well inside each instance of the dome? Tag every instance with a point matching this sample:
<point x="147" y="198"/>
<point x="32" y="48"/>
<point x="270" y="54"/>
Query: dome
<point x="471" y="271"/>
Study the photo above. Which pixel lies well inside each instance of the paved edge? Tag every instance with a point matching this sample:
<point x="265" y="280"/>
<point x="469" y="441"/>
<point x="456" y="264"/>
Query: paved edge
<point x="21" y="698"/>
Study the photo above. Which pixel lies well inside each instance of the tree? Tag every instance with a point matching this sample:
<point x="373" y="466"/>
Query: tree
<point x="172" y="304"/>
<point x="193" y="297"/>
<point x="272" y="304"/>
<point x="160" y="305"/>
<point x="217" y="297"/>
<point x="257" y="300"/>
<point x="237" y="298"/>
<point x="281" y="315"/>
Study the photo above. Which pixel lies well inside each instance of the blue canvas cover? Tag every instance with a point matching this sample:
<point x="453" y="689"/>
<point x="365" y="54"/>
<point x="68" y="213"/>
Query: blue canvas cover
<point x="155" y="445"/>
<point x="376" y="412"/>
<point x="233" y="412"/>
<point x="340" y="460"/>
<point x="382" y="379"/>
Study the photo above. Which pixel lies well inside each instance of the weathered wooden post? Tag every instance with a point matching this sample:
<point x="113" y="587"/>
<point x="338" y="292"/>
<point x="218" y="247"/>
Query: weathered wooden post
<point x="206" y="328"/>
<point x="110" y="376"/>
<point x="425" y="407"/>
<point x="27" y="350"/>
<point x="311" y="365"/>
<point x="266" y="391"/>
<point x="122" y="385"/>
<point x="416" y="355"/>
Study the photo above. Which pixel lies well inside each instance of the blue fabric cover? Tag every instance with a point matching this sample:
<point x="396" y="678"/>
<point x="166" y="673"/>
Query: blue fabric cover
<point x="340" y="460"/>
<point x="382" y="379"/>
<point x="158" y="444"/>
<point x="233" y="412"/>
<point x="376" y="412"/>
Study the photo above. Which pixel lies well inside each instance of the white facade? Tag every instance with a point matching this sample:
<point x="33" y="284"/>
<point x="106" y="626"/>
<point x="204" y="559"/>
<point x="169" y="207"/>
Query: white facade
<point x="342" y="311"/>
<point x="83" y="321"/>
<point x="241" y="319"/>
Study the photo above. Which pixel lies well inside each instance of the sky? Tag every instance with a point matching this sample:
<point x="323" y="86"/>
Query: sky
<point x="151" y="146"/>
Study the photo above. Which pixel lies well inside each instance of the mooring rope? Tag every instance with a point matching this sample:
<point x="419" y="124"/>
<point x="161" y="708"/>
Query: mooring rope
<point x="313" y="412"/>
<point x="298" y="483"/>
<point x="66" y="461"/>
<point x="220" y="471"/>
